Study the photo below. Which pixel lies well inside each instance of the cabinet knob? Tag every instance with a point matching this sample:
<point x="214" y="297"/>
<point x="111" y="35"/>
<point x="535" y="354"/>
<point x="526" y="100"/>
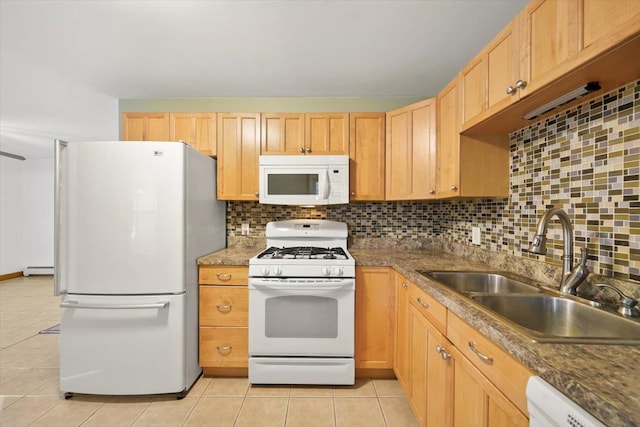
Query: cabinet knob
<point x="511" y="90"/>
<point x="432" y="191"/>
<point x="302" y="150"/>
<point x="308" y="149"/>
<point x="257" y="194"/>
<point x="404" y="285"/>
<point x="442" y="352"/>
<point x="521" y="84"/>
<point x="454" y="188"/>
<point x="353" y="193"/>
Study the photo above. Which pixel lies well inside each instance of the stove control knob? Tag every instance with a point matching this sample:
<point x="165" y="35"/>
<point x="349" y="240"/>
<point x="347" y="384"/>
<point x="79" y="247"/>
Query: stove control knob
<point x="337" y="271"/>
<point x="277" y="271"/>
<point x="326" y="271"/>
<point x="266" y="271"/>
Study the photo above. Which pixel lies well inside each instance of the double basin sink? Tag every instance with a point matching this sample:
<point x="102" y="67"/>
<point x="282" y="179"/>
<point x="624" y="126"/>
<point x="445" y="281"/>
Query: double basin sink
<point x="539" y="314"/>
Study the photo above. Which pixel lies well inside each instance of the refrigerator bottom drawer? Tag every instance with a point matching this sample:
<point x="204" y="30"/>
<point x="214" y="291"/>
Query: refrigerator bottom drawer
<point x="123" y="344"/>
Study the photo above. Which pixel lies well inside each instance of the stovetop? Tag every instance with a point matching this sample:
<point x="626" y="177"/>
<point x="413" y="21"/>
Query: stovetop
<point x="303" y="253"/>
<point x="304" y="248"/>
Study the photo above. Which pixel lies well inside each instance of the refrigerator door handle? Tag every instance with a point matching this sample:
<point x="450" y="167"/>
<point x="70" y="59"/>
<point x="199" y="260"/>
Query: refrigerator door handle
<point x="59" y="146"/>
<point x="76" y="304"/>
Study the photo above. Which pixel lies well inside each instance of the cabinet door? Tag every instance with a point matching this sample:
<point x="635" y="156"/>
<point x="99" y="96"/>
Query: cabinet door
<point x="488" y="82"/>
<point x="476" y="401"/>
<point x="410" y="152"/>
<point x="326" y="133"/>
<point x="196" y="129"/>
<point x="224" y="347"/>
<point x="145" y="127"/>
<point x="549" y="37"/>
<point x="282" y="134"/>
<point x="606" y="22"/>
<point x="401" y="363"/>
<point x="375" y="323"/>
<point x="448" y="147"/>
<point x="366" y="156"/>
<point x="238" y="154"/>
<point x="224" y="306"/>
<point x="419" y="332"/>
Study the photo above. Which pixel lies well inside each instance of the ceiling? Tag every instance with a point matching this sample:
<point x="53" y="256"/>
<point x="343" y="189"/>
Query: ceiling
<point x="103" y="51"/>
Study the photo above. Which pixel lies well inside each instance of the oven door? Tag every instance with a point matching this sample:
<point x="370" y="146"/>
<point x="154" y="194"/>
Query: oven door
<point x="301" y="317"/>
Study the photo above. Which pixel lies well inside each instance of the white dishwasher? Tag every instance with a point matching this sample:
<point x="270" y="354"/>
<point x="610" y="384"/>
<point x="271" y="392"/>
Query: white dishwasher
<point x="550" y="408"/>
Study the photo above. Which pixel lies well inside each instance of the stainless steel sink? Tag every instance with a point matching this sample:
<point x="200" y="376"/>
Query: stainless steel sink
<point x="468" y="281"/>
<point x="547" y="318"/>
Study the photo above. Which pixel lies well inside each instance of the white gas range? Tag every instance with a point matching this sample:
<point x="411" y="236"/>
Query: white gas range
<point x="301" y="305"/>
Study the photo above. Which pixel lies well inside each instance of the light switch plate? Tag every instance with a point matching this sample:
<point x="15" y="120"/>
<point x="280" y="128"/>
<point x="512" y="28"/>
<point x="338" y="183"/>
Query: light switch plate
<point x="476" y="238"/>
<point x="244" y="229"/>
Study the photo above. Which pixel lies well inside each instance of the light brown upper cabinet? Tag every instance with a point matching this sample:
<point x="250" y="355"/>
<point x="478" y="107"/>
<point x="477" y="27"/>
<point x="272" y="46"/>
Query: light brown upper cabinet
<point x="549" y="49"/>
<point x="410" y="152"/>
<point x="468" y="166"/>
<point x="196" y="129"/>
<point x="238" y="154"/>
<point x="145" y="127"/>
<point x="484" y="81"/>
<point x="326" y="133"/>
<point x="282" y="134"/>
<point x="366" y="156"/>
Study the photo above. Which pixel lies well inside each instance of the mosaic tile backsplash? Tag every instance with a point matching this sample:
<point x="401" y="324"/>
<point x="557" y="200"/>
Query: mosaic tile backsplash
<point x="585" y="160"/>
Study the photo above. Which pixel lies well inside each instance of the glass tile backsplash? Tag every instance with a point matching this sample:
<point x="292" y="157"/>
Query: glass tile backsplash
<point x="585" y="160"/>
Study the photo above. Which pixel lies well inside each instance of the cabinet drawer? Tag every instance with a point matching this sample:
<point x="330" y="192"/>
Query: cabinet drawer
<point x="509" y="375"/>
<point x="435" y="312"/>
<point x="224" y="306"/>
<point x="224" y="275"/>
<point x="224" y="347"/>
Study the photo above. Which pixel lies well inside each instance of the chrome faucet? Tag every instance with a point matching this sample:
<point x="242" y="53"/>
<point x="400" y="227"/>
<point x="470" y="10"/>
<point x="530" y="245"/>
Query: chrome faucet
<point x="571" y="277"/>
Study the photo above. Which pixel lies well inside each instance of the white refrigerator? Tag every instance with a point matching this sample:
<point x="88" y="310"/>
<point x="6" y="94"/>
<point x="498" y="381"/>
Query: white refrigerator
<point x="131" y="218"/>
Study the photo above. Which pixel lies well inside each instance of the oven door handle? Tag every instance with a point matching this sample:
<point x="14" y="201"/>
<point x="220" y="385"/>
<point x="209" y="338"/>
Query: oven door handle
<point x="279" y="285"/>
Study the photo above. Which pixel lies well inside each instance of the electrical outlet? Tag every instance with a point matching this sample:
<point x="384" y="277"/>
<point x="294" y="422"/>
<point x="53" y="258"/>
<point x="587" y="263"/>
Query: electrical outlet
<point x="244" y="229"/>
<point x="476" y="237"/>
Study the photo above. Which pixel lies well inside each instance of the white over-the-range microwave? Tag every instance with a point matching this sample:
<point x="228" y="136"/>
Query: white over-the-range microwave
<point x="304" y="180"/>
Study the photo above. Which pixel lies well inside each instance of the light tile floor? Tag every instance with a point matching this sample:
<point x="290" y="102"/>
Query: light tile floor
<point x="29" y="394"/>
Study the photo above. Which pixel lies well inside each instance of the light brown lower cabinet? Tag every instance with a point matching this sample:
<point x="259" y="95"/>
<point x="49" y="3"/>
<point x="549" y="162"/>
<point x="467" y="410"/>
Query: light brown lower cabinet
<point x="374" y="318"/>
<point x="477" y="401"/>
<point x="223" y="317"/>
<point x="452" y="375"/>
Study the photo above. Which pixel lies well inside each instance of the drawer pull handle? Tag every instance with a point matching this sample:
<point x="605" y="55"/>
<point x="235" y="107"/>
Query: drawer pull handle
<point x="223" y="277"/>
<point x="223" y="308"/>
<point x="482" y="356"/>
<point x="224" y="349"/>
<point x="442" y="352"/>
<point x="422" y="303"/>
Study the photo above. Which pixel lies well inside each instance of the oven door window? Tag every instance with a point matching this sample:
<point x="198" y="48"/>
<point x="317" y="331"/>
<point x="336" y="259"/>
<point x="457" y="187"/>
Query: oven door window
<point x="301" y="316"/>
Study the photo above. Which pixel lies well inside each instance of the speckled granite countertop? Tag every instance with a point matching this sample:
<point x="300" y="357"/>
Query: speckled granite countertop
<point x="603" y="379"/>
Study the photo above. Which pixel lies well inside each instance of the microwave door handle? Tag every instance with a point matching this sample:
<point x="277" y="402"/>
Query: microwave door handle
<point x="323" y="190"/>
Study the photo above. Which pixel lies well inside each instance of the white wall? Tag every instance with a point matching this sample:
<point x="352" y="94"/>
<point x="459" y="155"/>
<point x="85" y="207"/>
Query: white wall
<point x="38" y="106"/>
<point x="37" y="212"/>
<point x="11" y="224"/>
<point x="26" y="214"/>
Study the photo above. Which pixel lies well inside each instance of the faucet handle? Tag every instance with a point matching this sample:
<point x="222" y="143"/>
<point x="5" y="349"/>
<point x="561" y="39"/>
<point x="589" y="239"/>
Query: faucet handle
<point x="627" y="303"/>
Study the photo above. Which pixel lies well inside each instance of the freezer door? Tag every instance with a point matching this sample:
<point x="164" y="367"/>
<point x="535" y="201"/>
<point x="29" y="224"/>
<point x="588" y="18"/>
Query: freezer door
<point x="120" y="218"/>
<point x="123" y="345"/>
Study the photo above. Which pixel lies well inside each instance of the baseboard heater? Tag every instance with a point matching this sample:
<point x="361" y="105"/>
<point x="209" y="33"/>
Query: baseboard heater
<point x="36" y="271"/>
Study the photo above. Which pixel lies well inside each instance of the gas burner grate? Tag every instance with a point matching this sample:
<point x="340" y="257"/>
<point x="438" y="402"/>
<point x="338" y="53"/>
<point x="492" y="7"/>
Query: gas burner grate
<point x="303" y="252"/>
